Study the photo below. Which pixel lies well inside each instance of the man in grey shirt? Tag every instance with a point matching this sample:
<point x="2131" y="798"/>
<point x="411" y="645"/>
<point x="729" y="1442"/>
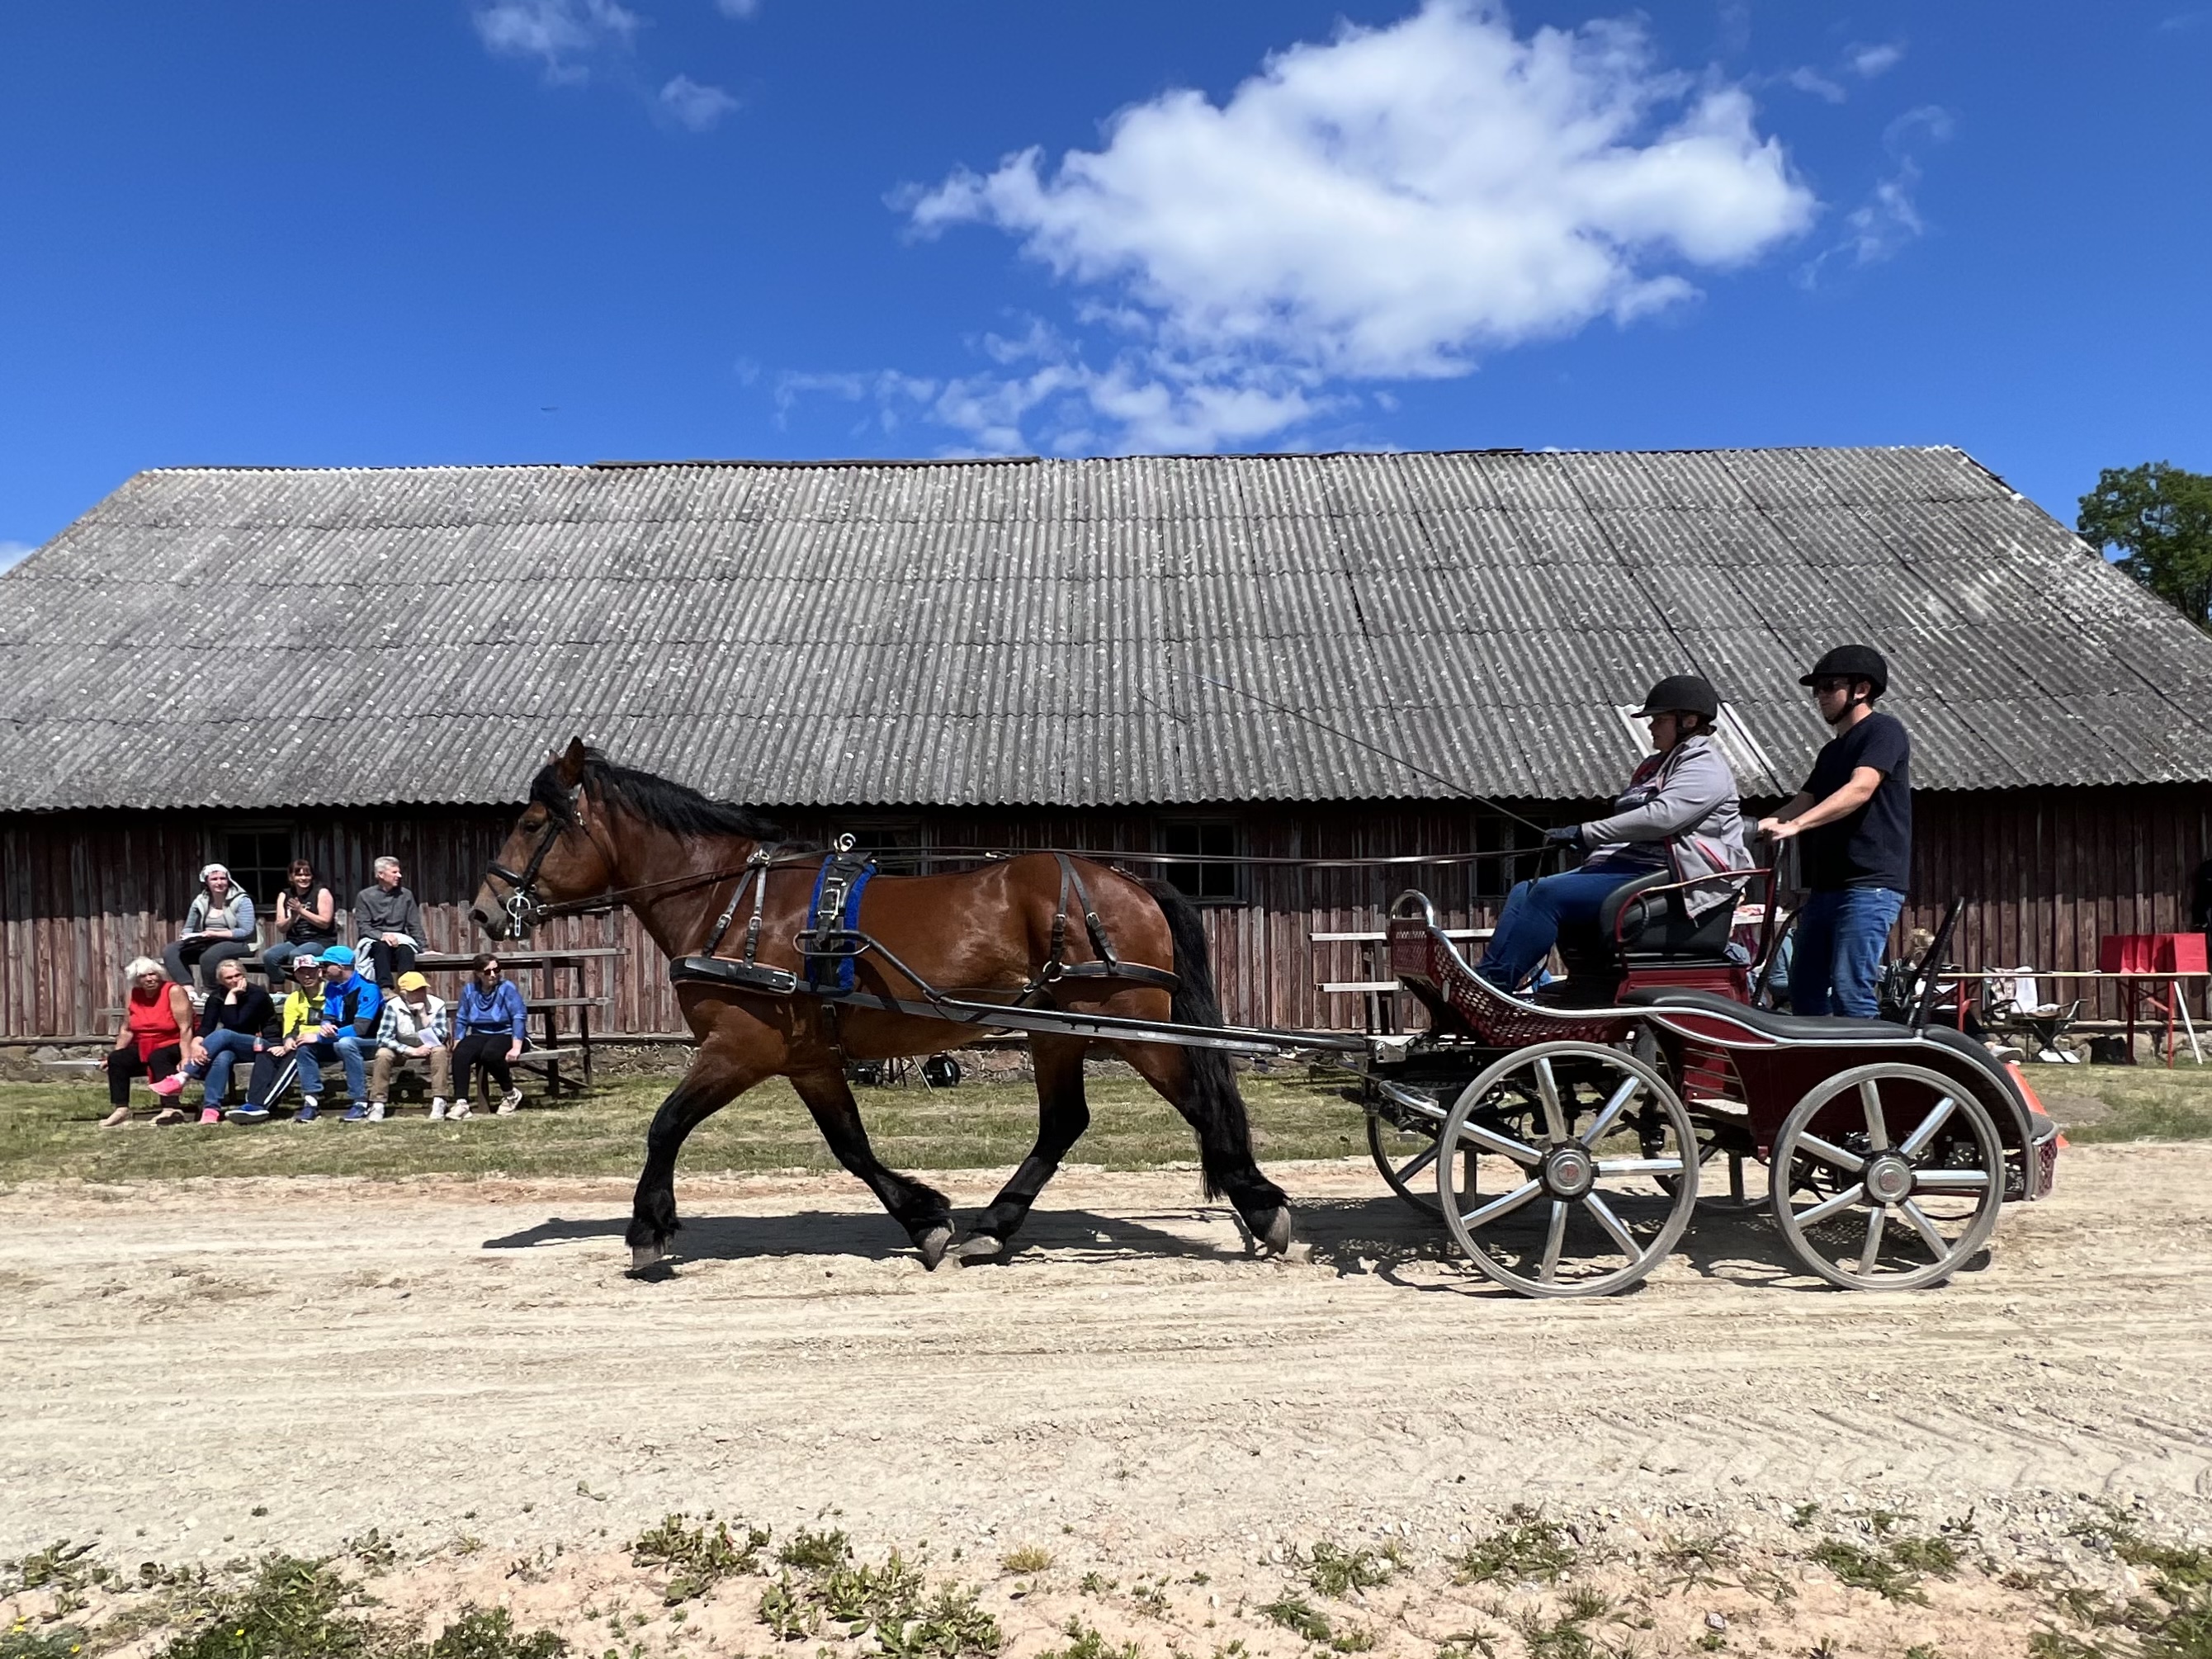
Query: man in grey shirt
<point x="387" y="923"/>
<point x="1679" y="813"/>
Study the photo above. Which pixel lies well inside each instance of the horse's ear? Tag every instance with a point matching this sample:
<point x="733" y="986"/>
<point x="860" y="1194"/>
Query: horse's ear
<point x="570" y="767"/>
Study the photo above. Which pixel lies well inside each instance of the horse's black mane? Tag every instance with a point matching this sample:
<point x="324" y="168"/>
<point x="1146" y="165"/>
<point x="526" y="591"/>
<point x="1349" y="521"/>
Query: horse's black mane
<point x="670" y="805"/>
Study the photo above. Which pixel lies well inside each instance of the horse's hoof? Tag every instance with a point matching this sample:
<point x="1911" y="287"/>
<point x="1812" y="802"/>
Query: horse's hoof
<point x="1271" y="1230"/>
<point x="642" y="1256"/>
<point x="979" y="1248"/>
<point x="932" y="1245"/>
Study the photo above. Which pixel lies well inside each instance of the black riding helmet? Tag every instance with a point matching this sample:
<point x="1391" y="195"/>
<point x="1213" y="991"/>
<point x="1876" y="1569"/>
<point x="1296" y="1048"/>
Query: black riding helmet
<point x="1682" y="693"/>
<point x="1852" y="662"/>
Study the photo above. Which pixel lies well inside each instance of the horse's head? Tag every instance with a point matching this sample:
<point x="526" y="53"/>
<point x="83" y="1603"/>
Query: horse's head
<point x="555" y="855"/>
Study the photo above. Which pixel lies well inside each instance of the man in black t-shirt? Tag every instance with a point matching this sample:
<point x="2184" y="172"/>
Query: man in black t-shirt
<point x="1853" y="821"/>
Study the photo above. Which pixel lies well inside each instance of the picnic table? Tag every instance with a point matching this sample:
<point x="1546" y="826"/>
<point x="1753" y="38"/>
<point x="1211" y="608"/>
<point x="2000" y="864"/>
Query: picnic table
<point x="551" y="999"/>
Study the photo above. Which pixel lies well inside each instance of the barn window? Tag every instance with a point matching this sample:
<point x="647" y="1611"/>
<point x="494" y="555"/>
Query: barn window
<point x="256" y="857"/>
<point x="1203" y="839"/>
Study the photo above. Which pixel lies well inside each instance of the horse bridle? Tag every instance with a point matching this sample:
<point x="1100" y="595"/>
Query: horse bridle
<point x="524" y="909"/>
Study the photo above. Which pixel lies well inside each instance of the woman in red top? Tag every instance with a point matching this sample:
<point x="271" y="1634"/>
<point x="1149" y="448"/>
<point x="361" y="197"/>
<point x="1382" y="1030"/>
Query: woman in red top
<point x="156" y="1014"/>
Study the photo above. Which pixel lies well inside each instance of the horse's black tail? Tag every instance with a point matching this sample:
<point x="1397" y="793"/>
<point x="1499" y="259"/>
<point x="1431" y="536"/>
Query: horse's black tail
<point x="1215" y="1108"/>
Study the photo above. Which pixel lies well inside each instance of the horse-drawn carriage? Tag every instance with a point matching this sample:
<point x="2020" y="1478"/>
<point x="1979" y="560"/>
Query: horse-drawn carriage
<point x="1562" y="1142"/>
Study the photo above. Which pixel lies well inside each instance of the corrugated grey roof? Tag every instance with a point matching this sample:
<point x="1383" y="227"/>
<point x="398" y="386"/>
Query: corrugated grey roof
<point x="1008" y="632"/>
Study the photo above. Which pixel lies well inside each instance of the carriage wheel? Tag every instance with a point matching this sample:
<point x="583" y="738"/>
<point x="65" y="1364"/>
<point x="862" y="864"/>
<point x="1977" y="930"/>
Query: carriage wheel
<point x="1403" y="1157"/>
<point x="1896" y="1195"/>
<point x="1575" y="1138"/>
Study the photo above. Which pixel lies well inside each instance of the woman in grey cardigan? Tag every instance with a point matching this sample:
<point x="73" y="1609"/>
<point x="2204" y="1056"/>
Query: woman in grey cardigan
<point x="218" y="926"/>
<point x="1679" y="813"/>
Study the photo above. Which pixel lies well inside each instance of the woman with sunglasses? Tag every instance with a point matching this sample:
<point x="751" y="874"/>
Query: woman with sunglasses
<point x="488" y="1026"/>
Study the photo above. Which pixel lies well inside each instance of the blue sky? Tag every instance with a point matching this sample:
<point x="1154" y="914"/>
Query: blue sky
<point x="381" y="232"/>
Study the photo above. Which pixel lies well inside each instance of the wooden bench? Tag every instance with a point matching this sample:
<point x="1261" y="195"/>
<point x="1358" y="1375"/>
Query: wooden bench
<point x="1378" y="993"/>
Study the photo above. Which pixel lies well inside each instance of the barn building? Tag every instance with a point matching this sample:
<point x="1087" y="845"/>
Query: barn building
<point x="247" y="665"/>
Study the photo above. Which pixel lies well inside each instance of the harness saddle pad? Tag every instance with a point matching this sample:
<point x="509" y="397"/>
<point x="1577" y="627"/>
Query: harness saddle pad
<point x="835" y="909"/>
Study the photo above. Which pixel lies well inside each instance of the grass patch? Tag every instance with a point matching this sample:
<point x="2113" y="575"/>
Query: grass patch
<point x="49" y="1131"/>
<point x="1085" y="1643"/>
<point x="698" y="1557"/>
<point x="1297" y="1614"/>
<point x="1865" y="1569"/>
<point x="1529" y="1547"/>
<point x="19" y="1641"/>
<point x="889" y="1604"/>
<point x="1026" y="1560"/>
<point x="1335" y="1572"/>
<point x="2141" y="1103"/>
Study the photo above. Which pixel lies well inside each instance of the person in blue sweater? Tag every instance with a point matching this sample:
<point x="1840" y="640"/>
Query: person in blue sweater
<point x="347" y="1031"/>
<point x="488" y="1024"/>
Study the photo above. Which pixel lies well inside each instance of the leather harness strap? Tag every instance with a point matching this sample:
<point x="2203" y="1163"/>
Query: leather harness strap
<point x="1109" y="966"/>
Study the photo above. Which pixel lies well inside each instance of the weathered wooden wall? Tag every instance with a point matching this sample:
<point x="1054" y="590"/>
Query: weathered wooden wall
<point x="2045" y="872"/>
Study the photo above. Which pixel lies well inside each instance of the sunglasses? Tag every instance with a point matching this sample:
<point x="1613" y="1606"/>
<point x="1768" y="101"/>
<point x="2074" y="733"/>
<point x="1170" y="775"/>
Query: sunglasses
<point x="1822" y="688"/>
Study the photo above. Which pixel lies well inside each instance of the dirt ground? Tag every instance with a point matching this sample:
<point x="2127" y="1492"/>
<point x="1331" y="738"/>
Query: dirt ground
<point x="203" y="1370"/>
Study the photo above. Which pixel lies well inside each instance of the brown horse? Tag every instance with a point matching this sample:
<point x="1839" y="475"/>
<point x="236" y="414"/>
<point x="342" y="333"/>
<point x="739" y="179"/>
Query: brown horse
<point x="594" y="830"/>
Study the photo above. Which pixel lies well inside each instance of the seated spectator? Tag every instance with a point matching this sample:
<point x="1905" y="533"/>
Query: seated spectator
<point x="487" y="1031"/>
<point x="352" y="1007"/>
<point x="233" y="1024"/>
<point x="218" y="926"/>
<point x="414" y="1026"/>
<point x="306" y="921"/>
<point x="150" y="1043"/>
<point x="387" y="923"/>
<point x="278" y="1065"/>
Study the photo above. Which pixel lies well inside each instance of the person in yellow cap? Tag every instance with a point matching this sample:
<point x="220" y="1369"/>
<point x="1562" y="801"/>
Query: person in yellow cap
<point x="414" y="1025"/>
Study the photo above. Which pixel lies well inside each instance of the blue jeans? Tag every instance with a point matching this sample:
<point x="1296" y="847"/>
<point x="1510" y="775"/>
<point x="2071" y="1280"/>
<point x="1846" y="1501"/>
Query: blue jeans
<point x="345" y="1048"/>
<point x="1534" y="911"/>
<point x="1837" y="963"/>
<point x="224" y="1050"/>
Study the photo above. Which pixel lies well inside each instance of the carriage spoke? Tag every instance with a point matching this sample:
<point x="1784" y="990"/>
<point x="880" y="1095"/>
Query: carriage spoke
<point x="1877" y="1131"/>
<point x="1601" y="1213"/>
<point x="1916" y="1143"/>
<point x="1612" y="1110"/>
<point x="1504" y="1144"/>
<point x="1827" y="1207"/>
<point x="1877" y="1218"/>
<point x="1828" y="1152"/>
<point x="1619" y="1166"/>
<point x="1552" y="1239"/>
<point x="1939" y="1245"/>
<point x="1414" y="1166"/>
<point x="1547" y="1089"/>
<point x="1950" y="1180"/>
<point x="1485" y="1214"/>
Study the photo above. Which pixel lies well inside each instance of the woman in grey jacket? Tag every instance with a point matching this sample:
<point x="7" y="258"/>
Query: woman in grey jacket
<point x="218" y="926"/>
<point x="1679" y="813"/>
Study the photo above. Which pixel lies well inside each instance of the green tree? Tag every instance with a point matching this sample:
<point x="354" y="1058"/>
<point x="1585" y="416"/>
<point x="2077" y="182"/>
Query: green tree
<point x="2160" y="518"/>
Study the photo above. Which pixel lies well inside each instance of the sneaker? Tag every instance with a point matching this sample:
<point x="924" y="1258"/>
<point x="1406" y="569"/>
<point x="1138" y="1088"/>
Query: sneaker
<point x="167" y="1116"/>
<point x="356" y="1113"/>
<point x="249" y="1112"/>
<point x="437" y="1111"/>
<point x="307" y="1112"/>
<point x="376" y="1111"/>
<point x="208" y="1115"/>
<point x="460" y="1110"/>
<point x="508" y="1102"/>
<point x="172" y="1085"/>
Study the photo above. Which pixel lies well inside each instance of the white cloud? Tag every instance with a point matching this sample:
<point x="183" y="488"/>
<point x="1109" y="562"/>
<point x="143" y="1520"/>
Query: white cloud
<point x="11" y="552"/>
<point x="1392" y="203"/>
<point x="1889" y="220"/>
<point x="696" y="106"/>
<point x="556" y="32"/>
<point x="741" y="9"/>
<point x="1867" y="62"/>
<point x="1818" y="85"/>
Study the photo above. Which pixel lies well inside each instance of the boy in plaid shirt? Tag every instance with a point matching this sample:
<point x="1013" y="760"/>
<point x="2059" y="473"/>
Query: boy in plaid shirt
<point x="414" y="1025"/>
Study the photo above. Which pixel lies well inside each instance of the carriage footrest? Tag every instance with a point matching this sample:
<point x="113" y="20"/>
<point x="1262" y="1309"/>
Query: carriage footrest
<point x="744" y="975"/>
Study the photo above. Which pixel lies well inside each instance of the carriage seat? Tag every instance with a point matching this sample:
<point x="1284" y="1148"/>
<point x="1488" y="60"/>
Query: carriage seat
<point x="1814" y="1028"/>
<point x="1657" y="926"/>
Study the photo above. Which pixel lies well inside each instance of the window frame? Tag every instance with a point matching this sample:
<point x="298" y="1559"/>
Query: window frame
<point x="1233" y="888"/>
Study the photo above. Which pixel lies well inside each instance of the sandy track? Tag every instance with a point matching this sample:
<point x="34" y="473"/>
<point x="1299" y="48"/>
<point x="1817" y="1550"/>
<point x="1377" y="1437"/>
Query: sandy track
<point x="350" y="1355"/>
